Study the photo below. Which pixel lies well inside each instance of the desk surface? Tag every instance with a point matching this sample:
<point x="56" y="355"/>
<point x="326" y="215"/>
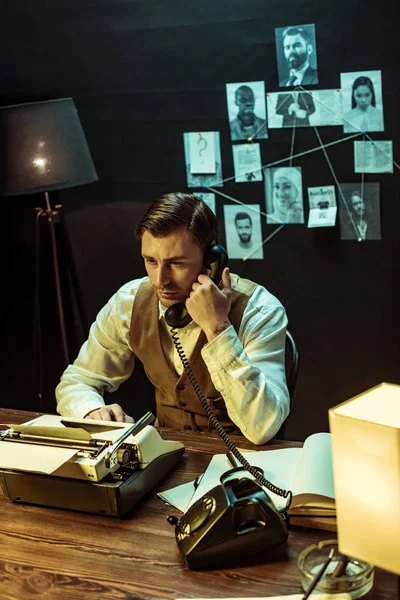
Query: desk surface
<point x="52" y="554"/>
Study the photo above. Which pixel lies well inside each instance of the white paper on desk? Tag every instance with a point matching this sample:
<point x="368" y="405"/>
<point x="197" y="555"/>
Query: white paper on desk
<point x="304" y="471"/>
<point x="180" y="496"/>
<point x="318" y="595"/>
<point x="284" y="465"/>
<point x="33" y="457"/>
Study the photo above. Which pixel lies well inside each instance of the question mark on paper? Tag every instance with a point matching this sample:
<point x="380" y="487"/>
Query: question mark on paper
<point x="204" y="143"/>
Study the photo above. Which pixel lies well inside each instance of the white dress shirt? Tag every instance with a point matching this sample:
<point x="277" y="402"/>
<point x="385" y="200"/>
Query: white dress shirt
<point x="246" y="368"/>
<point x="296" y="76"/>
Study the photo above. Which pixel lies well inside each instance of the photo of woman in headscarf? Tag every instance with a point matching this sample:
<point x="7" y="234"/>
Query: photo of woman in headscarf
<point x="364" y="114"/>
<point x="284" y="195"/>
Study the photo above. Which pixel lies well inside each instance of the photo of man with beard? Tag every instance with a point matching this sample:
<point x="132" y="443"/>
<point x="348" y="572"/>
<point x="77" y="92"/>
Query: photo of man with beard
<point x="243" y="233"/>
<point x="297" y="61"/>
<point x="244" y="227"/>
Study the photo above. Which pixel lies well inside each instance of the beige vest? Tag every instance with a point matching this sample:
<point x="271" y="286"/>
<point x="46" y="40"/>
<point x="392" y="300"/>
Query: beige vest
<point x="177" y="403"/>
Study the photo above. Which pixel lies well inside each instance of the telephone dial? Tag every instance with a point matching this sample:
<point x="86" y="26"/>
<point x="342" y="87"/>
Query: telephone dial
<point x="234" y="519"/>
<point x="215" y="259"/>
<point x="238" y="516"/>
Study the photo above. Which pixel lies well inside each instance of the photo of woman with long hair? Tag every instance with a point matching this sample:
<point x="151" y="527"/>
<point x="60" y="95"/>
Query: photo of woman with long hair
<point x="364" y="115"/>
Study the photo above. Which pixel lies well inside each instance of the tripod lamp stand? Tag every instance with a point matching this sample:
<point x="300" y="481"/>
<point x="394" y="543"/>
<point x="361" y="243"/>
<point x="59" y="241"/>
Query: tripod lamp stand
<point x="44" y="149"/>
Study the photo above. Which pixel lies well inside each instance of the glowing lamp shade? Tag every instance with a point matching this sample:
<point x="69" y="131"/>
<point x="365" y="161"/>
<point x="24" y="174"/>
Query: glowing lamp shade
<point x="43" y="148"/>
<point x="366" y="465"/>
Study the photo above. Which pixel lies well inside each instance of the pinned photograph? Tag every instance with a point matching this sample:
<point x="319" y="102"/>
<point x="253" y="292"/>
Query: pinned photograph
<point x="328" y="108"/>
<point x="359" y="211"/>
<point x="284" y="195"/>
<point x="296" y="55"/>
<point x="214" y="178"/>
<point x="247" y="162"/>
<point x="290" y="109"/>
<point x="209" y="199"/>
<point x="323" y="207"/>
<point x="373" y="157"/>
<point x="246" y="110"/>
<point x="243" y="231"/>
<point x="362" y="105"/>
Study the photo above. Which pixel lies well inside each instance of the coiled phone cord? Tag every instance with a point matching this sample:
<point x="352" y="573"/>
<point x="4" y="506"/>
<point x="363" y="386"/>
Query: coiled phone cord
<point x="221" y="431"/>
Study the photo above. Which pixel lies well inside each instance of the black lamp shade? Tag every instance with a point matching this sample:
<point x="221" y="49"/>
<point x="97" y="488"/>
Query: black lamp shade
<point x="43" y="148"/>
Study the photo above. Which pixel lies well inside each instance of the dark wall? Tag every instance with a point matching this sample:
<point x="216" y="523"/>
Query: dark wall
<point x="143" y="72"/>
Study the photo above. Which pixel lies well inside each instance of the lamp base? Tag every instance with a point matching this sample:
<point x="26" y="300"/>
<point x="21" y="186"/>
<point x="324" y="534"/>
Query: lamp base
<point x="67" y="289"/>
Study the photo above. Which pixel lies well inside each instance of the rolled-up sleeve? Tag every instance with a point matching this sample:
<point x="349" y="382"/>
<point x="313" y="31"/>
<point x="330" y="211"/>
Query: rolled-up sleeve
<point x="104" y="361"/>
<point x="248" y="368"/>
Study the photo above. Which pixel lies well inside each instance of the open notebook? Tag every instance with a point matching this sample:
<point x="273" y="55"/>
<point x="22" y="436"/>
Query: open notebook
<point x="306" y="471"/>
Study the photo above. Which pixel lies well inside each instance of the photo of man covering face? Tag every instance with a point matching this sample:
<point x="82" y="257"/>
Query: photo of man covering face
<point x="246" y="110"/>
<point x="296" y="55"/>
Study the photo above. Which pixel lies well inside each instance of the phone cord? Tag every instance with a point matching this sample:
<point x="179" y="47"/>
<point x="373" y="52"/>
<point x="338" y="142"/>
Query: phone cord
<point x="214" y="421"/>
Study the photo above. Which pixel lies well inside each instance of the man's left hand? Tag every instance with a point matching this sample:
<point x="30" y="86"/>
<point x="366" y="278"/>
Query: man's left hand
<point x="209" y="306"/>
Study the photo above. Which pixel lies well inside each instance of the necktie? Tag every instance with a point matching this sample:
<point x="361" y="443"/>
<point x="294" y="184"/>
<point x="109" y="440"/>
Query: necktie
<point x="292" y="80"/>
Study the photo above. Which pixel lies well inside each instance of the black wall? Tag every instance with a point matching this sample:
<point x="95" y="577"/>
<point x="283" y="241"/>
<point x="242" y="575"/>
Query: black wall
<point x="143" y="72"/>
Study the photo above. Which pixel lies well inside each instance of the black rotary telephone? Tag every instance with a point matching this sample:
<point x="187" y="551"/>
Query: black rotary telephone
<point x="215" y="259"/>
<point x="236" y="517"/>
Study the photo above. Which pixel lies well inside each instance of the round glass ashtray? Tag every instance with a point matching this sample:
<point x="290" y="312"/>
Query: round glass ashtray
<point x="343" y="574"/>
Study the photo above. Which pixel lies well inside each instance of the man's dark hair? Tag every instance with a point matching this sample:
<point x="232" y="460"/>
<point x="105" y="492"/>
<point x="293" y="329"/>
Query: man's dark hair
<point x="242" y="215"/>
<point x="297" y="31"/>
<point x="363" y="80"/>
<point x="176" y="210"/>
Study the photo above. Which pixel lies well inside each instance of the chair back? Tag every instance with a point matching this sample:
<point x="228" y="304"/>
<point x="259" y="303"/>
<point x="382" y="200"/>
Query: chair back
<point x="291" y="362"/>
<point x="292" y="368"/>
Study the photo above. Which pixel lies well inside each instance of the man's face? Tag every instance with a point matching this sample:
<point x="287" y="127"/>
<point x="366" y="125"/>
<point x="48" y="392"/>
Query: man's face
<point x="358" y="205"/>
<point x="296" y="50"/>
<point x="285" y="193"/>
<point x="244" y="100"/>
<point x="173" y="263"/>
<point x="243" y="228"/>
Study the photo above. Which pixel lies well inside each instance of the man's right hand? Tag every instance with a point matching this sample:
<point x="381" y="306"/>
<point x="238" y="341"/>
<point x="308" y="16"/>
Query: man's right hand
<point x="111" y="412"/>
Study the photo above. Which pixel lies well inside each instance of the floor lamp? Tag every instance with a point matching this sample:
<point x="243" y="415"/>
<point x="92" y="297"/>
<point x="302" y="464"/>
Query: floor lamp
<point x="44" y="149"/>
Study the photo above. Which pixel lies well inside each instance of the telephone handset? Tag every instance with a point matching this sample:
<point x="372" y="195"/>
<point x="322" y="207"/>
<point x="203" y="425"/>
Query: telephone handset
<point x="215" y="259"/>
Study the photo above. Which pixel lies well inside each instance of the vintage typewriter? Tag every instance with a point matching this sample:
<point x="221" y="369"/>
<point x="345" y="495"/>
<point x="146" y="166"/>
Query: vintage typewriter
<point x="82" y="464"/>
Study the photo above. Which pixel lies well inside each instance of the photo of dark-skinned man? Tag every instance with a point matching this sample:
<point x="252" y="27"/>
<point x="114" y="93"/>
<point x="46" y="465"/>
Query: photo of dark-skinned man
<point x="296" y="56"/>
<point x="247" y="111"/>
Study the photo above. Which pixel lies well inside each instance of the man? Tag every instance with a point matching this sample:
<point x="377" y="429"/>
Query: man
<point x="235" y="343"/>
<point x="247" y="125"/>
<point x="244" y="227"/>
<point x="295" y="109"/>
<point x="357" y="210"/>
<point x="297" y="48"/>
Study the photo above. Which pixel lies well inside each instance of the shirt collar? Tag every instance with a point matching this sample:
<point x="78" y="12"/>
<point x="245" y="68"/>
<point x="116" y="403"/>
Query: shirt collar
<point x="300" y="72"/>
<point x="161" y="310"/>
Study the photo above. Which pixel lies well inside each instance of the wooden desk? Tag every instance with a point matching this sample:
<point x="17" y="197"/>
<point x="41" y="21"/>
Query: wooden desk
<point x="52" y="554"/>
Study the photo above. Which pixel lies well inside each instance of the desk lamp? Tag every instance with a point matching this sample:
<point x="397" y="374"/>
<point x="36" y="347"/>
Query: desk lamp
<point x="366" y="466"/>
<point x="43" y="149"/>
